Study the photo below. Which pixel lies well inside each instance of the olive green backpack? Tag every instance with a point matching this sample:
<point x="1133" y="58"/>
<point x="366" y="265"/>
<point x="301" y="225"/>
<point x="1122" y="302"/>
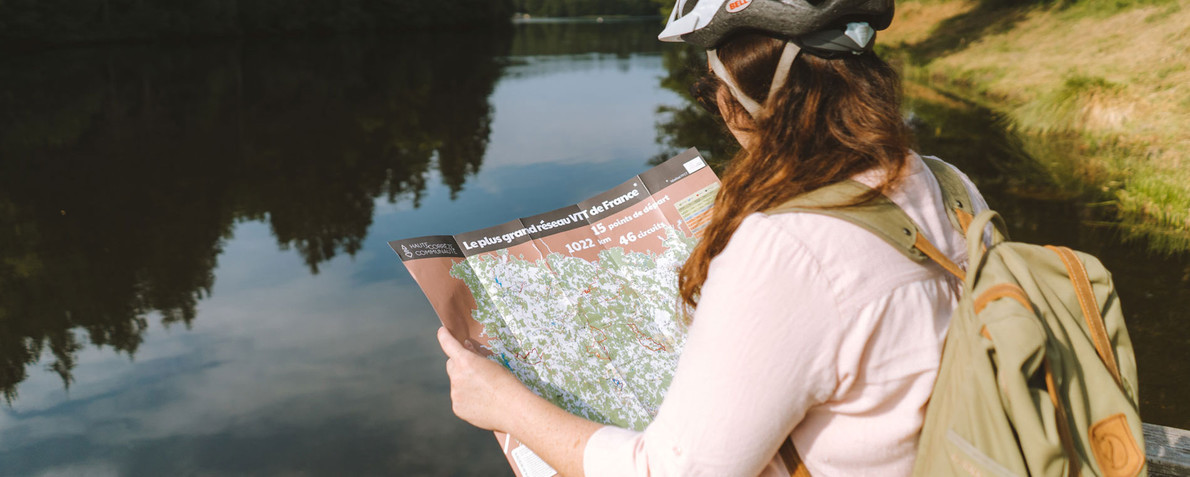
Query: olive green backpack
<point x="1037" y="377"/>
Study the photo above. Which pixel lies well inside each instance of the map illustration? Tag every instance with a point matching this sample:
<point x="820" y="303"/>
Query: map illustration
<point x="598" y="338"/>
<point x="580" y="303"/>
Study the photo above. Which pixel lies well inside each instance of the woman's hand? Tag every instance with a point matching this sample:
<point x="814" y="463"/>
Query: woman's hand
<point x="487" y="395"/>
<point x="479" y="388"/>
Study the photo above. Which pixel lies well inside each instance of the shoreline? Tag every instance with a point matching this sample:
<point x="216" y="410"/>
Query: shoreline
<point x="1106" y="114"/>
<point x="525" y="19"/>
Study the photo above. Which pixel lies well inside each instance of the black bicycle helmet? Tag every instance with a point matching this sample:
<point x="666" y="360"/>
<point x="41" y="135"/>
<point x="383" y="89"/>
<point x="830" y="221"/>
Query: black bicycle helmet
<point x="819" y="26"/>
<point x="825" y="28"/>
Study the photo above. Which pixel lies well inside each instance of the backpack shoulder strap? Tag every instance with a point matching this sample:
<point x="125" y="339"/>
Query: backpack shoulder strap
<point x="957" y="199"/>
<point x="880" y="216"/>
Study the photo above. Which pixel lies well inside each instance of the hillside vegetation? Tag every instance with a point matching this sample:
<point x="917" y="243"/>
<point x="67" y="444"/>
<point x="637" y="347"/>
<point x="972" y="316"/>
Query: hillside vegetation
<point x="81" y="21"/>
<point x="1105" y="83"/>
<point x="576" y="8"/>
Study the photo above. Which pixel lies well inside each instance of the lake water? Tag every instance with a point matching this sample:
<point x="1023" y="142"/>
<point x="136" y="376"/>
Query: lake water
<point x="194" y="276"/>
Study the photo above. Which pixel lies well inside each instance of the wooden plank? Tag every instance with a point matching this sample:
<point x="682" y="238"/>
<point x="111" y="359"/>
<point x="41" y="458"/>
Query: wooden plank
<point x="1167" y="450"/>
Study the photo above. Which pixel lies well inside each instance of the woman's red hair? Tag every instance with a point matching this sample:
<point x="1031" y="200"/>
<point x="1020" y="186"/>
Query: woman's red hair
<point x="833" y="119"/>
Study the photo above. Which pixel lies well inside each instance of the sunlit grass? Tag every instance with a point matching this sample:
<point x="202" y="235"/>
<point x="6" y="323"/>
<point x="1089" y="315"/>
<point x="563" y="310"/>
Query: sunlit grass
<point x="1107" y="81"/>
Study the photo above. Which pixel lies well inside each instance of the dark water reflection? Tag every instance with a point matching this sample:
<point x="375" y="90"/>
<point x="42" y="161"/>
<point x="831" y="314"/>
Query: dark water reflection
<point x="125" y="170"/>
<point x="194" y="237"/>
<point x="128" y="174"/>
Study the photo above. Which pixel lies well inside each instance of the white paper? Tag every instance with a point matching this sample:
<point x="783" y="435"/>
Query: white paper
<point x="531" y="465"/>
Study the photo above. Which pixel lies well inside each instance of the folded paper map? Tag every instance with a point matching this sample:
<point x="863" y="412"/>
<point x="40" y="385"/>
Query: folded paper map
<point x="580" y="303"/>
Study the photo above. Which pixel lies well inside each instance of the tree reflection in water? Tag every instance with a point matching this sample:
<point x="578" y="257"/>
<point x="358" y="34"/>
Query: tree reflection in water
<point x="619" y="37"/>
<point x="125" y="169"/>
<point x="689" y="124"/>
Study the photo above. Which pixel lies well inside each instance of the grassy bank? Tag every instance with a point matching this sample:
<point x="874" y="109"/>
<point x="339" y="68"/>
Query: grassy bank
<point x="1106" y="83"/>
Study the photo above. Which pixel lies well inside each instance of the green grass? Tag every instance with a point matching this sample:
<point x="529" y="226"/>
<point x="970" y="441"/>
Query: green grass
<point x="1066" y="107"/>
<point x="1106" y="8"/>
<point x="1099" y="90"/>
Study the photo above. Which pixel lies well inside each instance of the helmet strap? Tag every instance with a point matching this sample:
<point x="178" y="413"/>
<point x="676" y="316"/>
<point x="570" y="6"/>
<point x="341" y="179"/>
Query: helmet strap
<point x="749" y="104"/>
<point x="780" y="75"/>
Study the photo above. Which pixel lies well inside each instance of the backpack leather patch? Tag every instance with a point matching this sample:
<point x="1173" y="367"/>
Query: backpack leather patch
<point x="1115" y="449"/>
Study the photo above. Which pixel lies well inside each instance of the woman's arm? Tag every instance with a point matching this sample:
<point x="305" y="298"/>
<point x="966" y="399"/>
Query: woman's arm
<point x="488" y="396"/>
<point x="759" y="354"/>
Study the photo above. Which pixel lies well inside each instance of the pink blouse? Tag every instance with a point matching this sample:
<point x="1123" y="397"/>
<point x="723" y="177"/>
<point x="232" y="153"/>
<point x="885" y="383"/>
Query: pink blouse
<point x="810" y="326"/>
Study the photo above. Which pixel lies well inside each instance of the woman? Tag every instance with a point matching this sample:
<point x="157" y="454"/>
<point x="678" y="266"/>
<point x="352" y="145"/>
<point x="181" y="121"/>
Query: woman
<point x="806" y="325"/>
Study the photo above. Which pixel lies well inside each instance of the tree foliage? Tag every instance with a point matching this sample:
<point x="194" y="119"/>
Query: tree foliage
<point x="58" y="21"/>
<point x="127" y="168"/>
<point x="575" y="8"/>
<point x="688" y="124"/>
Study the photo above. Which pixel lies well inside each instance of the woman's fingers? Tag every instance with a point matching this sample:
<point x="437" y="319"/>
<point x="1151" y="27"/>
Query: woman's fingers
<point x="449" y="344"/>
<point x="477" y="386"/>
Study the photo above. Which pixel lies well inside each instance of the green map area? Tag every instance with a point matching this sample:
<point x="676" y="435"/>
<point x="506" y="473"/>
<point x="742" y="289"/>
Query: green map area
<point x="600" y="338"/>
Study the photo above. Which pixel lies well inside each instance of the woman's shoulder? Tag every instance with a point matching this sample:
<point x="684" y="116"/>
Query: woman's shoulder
<point x="769" y="249"/>
<point x="856" y="264"/>
<point x="819" y="235"/>
<point x="813" y="237"/>
<point x="848" y="255"/>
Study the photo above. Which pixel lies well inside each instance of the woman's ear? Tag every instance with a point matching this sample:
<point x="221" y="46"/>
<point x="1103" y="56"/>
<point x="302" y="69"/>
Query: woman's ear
<point x="738" y="121"/>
